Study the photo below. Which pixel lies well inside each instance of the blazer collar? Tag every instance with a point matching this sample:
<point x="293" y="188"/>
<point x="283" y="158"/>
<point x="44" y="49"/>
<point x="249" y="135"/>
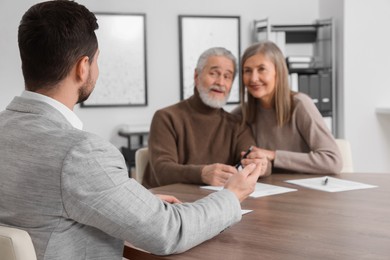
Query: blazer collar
<point x="25" y="105"/>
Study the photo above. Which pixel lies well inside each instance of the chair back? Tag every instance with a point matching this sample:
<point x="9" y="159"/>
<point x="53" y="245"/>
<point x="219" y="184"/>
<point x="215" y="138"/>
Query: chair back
<point x="16" y="244"/>
<point x="346" y="154"/>
<point x="141" y="160"/>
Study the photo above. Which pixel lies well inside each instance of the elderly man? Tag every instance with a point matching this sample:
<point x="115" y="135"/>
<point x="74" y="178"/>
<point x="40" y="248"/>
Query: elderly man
<point x="196" y="140"/>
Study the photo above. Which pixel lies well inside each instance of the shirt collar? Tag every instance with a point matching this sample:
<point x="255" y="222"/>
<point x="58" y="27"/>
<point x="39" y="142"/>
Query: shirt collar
<point x="64" y="110"/>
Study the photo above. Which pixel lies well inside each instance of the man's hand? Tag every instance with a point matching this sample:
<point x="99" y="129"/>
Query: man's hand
<point x="168" y="198"/>
<point x="260" y="156"/>
<point x="217" y="174"/>
<point x="243" y="183"/>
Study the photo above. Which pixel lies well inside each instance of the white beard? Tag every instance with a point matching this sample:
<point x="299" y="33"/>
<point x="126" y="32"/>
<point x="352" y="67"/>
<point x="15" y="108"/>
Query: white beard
<point x="209" y="100"/>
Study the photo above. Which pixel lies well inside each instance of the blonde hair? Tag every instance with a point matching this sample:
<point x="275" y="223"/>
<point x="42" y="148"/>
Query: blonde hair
<point x="282" y="99"/>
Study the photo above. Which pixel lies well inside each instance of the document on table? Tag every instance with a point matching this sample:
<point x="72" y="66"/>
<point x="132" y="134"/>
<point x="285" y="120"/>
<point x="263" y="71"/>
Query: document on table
<point x="245" y="211"/>
<point x="261" y="190"/>
<point x="330" y="184"/>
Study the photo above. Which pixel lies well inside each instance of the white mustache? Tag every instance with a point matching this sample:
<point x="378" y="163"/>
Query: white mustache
<point x="218" y="88"/>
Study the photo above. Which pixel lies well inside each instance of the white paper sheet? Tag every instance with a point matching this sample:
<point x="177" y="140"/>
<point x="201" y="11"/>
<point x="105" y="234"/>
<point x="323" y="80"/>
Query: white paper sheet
<point x="245" y="211"/>
<point x="261" y="190"/>
<point x="331" y="185"/>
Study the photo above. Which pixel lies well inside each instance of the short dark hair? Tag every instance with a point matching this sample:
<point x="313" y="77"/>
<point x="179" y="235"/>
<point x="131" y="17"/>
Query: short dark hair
<point x="52" y="37"/>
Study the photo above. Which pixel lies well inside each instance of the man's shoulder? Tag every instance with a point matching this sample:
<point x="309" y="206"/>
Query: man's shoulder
<point x="68" y="138"/>
<point x="175" y="109"/>
<point x="233" y="118"/>
<point x="83" y="144"/>
<point x="87" y="137"/>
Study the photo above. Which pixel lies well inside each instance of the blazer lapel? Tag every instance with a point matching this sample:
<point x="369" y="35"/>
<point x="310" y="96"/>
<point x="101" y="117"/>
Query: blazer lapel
<point x="25" y="105"/>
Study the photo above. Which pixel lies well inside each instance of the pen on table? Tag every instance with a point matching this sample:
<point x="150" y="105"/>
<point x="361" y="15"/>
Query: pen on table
<point x="243" y="157"/>
<point x="324" y="182"/>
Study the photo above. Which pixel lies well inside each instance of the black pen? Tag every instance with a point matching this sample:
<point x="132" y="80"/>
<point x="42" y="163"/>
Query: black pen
<point x="324" y="182"/>
<point x="243" y="157"/>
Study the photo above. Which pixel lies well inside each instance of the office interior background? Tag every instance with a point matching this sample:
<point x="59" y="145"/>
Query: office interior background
<point x="362" y="62"/>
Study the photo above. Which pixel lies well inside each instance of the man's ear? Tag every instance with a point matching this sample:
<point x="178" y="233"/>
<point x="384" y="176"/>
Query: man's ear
<point x="82" y="69"/>
<point x="196" y="77"/>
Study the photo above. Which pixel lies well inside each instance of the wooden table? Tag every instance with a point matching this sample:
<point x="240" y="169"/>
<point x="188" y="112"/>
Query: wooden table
<point x="306" y="224"/>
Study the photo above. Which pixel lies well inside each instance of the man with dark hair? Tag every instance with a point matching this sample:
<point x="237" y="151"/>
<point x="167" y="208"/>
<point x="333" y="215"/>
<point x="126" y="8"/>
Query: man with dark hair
<point x="69" y="189"/>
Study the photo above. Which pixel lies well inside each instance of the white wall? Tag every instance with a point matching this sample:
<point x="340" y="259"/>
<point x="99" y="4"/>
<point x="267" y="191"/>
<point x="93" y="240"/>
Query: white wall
<point x="362" y="63"/>
<point x="10" y="72"/>
<point x="363" y="59"/>
<point x="162" y="49"/>
<point x="335" y="9"/>
<point x="367" y="82"/>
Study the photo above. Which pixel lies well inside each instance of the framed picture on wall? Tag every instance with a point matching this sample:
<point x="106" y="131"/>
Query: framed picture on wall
<point x="122" y="61"/>
<point x="198" y="33"/>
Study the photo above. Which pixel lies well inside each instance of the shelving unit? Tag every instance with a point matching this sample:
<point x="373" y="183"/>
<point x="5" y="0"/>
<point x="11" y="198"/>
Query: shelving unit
<point x="310" y="54"/>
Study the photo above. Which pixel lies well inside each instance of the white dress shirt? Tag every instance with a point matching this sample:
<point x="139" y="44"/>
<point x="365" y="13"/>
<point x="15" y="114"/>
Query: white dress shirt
<point x="73" y="119"/>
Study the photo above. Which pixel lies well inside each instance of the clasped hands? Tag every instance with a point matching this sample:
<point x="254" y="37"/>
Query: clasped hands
<point x="218" y="174"/>
<point x="256" y="165"/>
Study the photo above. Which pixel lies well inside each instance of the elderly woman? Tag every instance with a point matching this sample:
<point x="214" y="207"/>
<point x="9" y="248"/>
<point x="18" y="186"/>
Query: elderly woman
<point x="288" y="128"/>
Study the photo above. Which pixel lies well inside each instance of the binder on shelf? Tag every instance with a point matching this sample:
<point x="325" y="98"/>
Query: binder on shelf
<point x="314" y="89"/>
<point x="294" y="81"/>
<point x="301" y="65"/>
<point x="300" y="62"/>
<point x="325" y="92"/>
<point x="300" y="59"/>
<point x="303" y="84"/>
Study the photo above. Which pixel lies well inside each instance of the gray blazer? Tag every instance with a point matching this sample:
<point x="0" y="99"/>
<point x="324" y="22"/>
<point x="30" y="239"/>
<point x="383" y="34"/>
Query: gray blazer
<point x="70" y="190"/>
